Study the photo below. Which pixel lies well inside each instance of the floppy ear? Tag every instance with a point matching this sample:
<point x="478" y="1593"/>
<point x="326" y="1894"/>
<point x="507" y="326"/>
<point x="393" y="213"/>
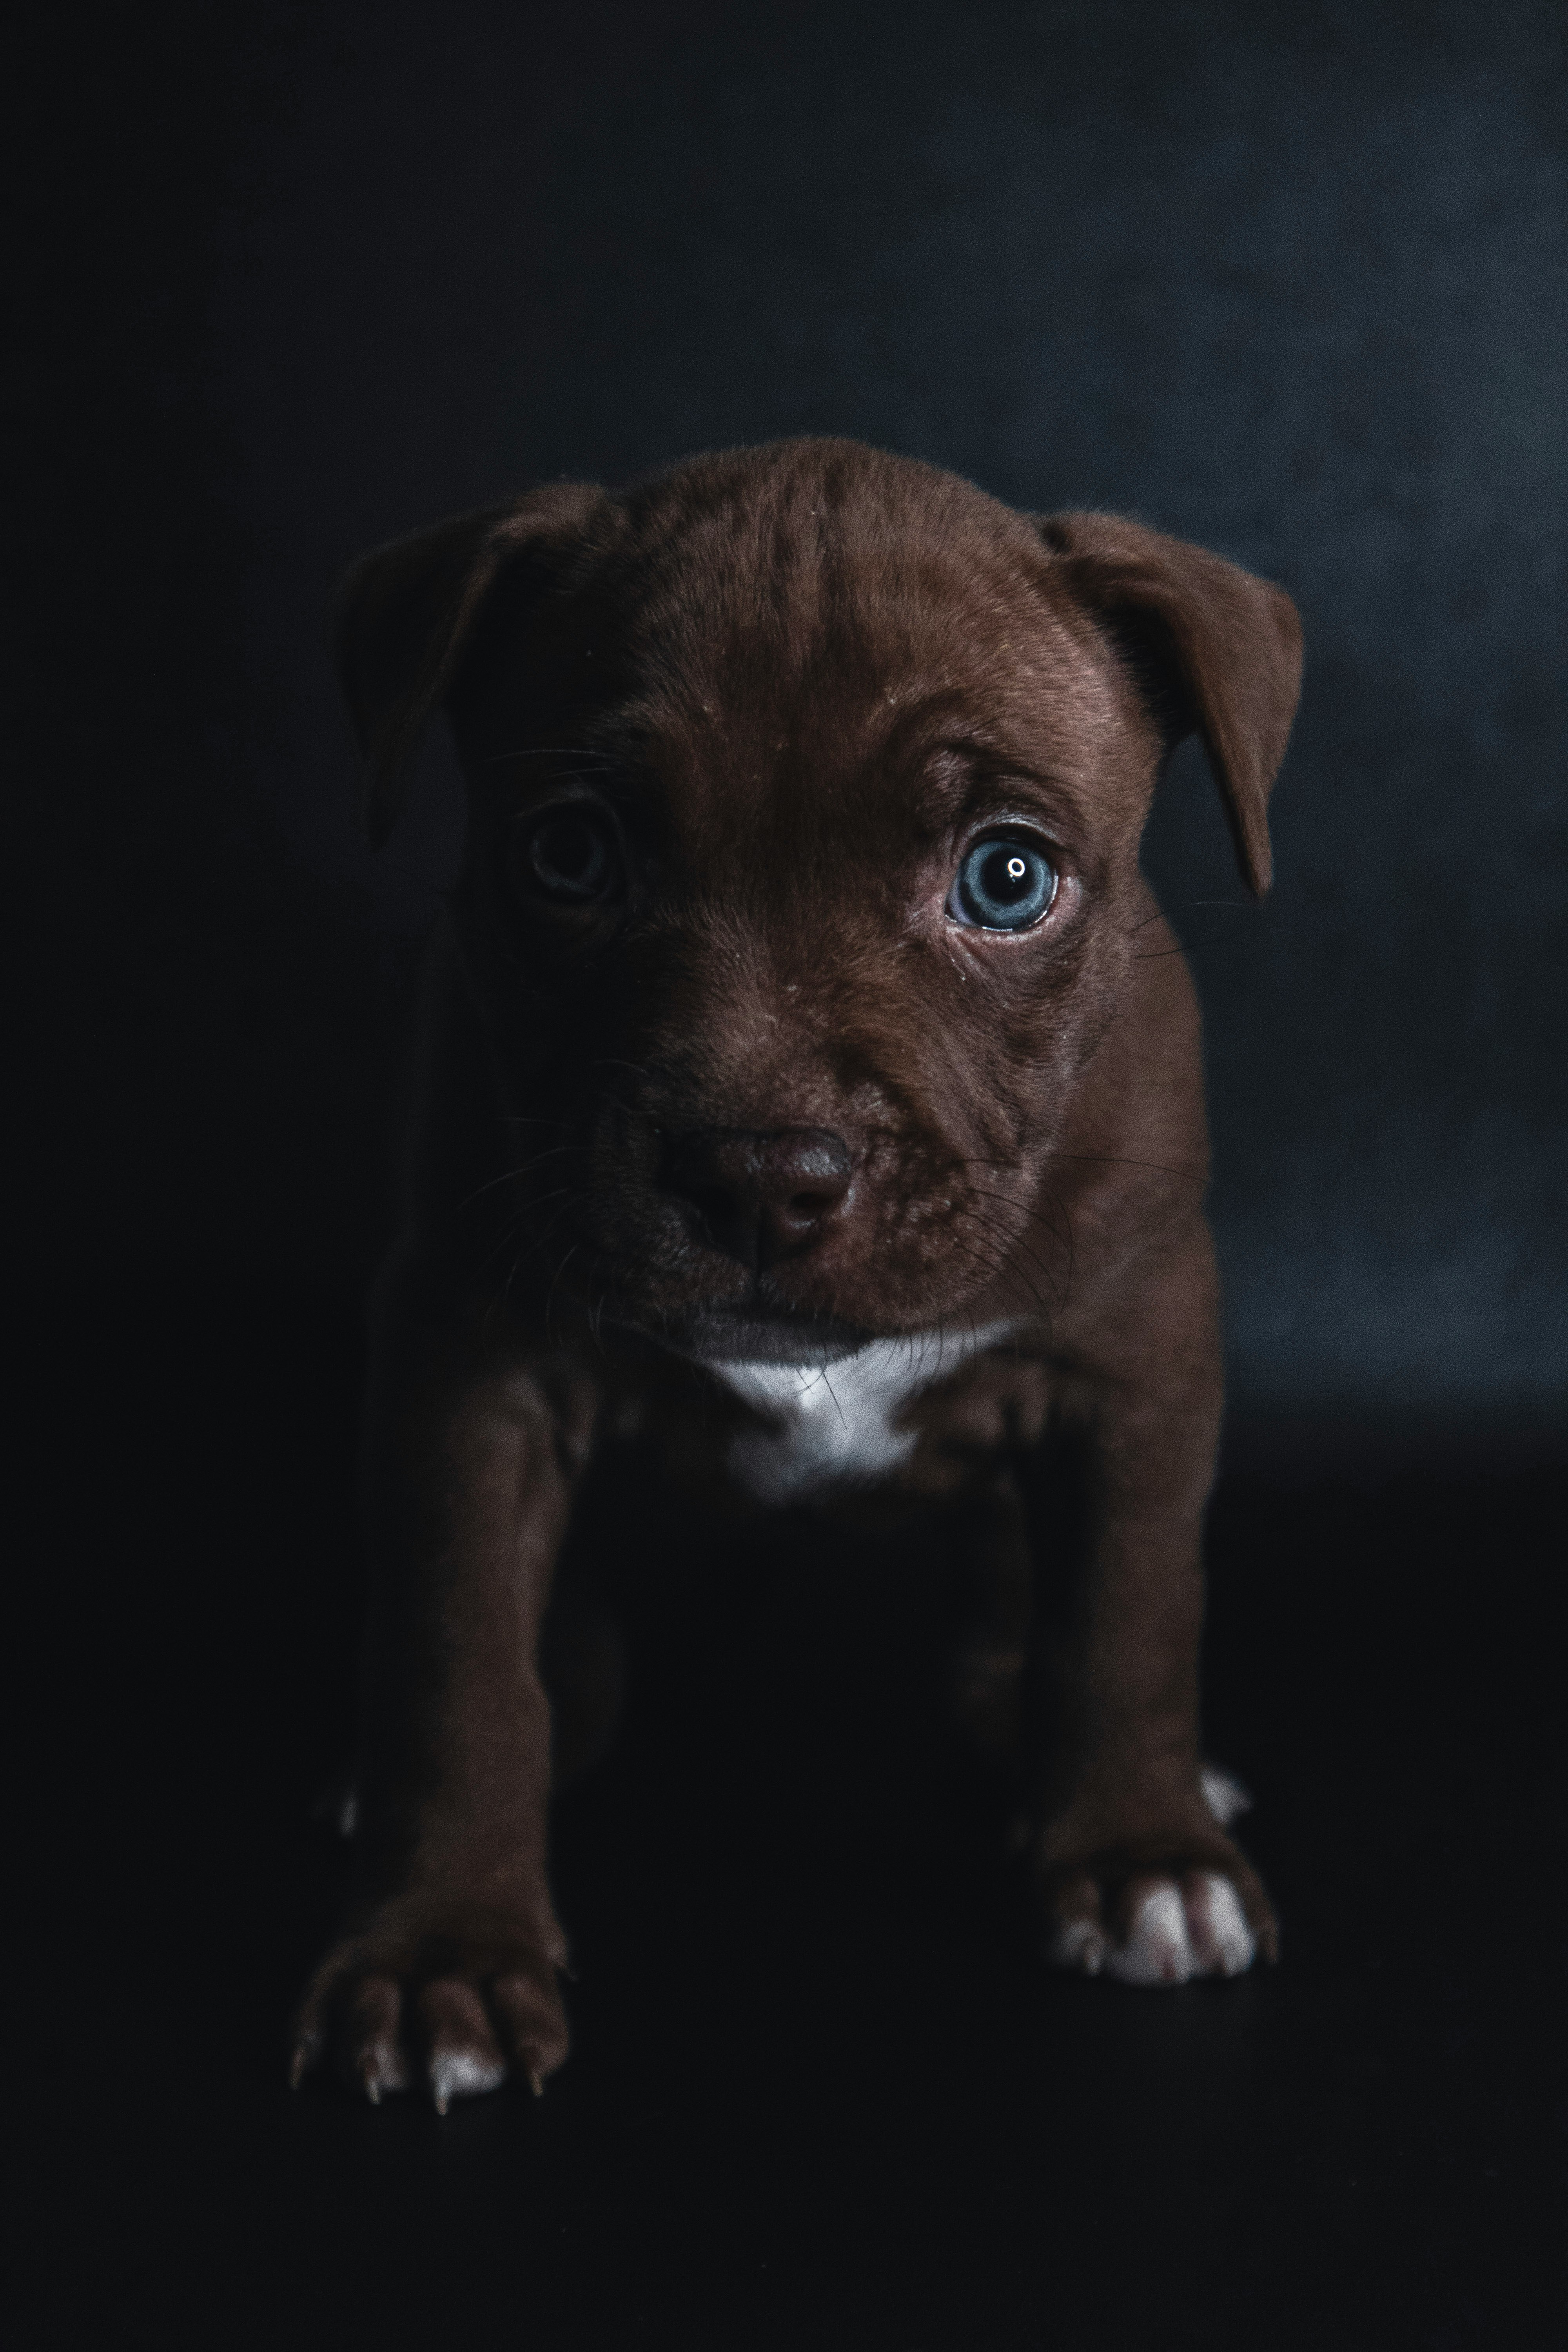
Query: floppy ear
<point x="404" y="614"/>
<point x="1215" y="649"/>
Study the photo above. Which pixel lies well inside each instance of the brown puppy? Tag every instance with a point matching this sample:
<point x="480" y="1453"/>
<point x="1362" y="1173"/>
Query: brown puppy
<point x="803" y="1045"/>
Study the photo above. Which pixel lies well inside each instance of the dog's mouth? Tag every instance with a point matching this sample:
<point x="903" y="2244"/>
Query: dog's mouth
<point x="742" y="1336"/>
<point x="750" y="1331"/>
<point x="651" y="1271"/>
<point x="779" y="1246"/>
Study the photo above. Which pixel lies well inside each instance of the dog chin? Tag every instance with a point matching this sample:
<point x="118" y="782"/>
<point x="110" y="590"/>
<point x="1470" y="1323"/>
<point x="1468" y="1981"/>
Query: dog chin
<point x="725" y="1336"/>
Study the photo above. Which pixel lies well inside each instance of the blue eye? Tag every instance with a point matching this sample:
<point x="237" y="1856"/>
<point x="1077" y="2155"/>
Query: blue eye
<point x="1005" y="884"/>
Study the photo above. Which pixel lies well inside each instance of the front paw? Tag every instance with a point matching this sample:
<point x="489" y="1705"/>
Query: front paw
<point x="454" y="2005"/>
<point x="1144" y="1919"/>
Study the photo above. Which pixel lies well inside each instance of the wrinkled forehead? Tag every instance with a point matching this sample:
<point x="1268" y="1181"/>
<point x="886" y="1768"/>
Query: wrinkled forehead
<point x="826" y="689"/>
<point x="777" y="667"/>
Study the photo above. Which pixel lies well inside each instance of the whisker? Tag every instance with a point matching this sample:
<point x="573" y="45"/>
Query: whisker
<point x="531" y="1250"/>
<point x="993" y="1265"/>
<point x="1118" y="1160"/>
<point x="1006" y="1245"/>
<point x="837" y="1408"/>
<point x="1015" y="1242"/>
<point x="609" y="1062"/>
<point x="1185" y="907"/>
<point x="596" y="1312"/>
<point x="520" y="1218"/>
<point x="515" y="1175"/>
<point x="1066" y="1221"/>
<point x="550" y="1299"/>
<point x="1038" y="1216"/>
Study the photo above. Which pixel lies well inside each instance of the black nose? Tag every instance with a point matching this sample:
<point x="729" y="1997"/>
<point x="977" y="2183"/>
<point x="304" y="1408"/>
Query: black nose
<point x="758" y="1196"/>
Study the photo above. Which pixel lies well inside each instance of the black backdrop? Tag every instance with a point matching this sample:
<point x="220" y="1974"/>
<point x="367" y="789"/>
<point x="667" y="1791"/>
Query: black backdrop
<point x="1288" y="280"/>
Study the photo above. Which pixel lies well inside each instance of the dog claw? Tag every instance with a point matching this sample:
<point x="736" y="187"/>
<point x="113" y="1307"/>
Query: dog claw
<point x="536" y="2082"/>
<point x="1078" y="1945"/>
<point x="299" y="2066"/>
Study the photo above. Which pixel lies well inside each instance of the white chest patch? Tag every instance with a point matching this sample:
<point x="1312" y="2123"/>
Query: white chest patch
<point x="826" y="1427"/>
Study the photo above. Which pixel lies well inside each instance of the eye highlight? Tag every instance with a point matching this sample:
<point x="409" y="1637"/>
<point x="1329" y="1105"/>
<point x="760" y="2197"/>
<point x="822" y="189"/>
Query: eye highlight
<point x="1005" y="883"/>
<point x="569" y="857"/>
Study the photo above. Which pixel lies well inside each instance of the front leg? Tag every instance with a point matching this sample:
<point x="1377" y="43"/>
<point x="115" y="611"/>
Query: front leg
<point x="1135" y="1874"/>
<point x="446" y="1967"/>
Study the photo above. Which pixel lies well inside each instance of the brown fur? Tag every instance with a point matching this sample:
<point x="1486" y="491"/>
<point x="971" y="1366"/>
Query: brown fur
<point x="799" y="678"/>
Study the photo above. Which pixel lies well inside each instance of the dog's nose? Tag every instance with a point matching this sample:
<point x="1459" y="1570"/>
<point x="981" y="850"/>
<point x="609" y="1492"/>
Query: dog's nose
<point x="759" y="1196"/>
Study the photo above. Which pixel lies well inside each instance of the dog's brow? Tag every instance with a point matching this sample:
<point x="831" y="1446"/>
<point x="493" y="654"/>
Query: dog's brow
<point x="962" y="774"/>
<point x="606" y="768"/>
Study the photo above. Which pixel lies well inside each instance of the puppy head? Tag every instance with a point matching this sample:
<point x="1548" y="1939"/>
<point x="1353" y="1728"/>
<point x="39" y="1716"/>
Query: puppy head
<point x="806" y="785"/>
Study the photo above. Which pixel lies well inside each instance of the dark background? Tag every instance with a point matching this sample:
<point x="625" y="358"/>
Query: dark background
<point x="1288" y="280"/>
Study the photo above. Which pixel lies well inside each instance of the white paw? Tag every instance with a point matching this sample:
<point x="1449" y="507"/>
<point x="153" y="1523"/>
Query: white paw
<point x="1197" y="1929"/>
<point x="463" y="2074"/>
<point x="1223" y="1794"/>
<point x="1174" y="1937"/>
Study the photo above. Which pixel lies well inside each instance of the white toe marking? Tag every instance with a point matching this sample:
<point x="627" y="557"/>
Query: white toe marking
<point x="1218" y="1926"/>
<point x="1223" y="1794"/>
<point x="459" y="2074"/>
<point x="1157" y="1951"/>
<point x="1078" y="1943"/>
<point x="381" y="2071"/>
